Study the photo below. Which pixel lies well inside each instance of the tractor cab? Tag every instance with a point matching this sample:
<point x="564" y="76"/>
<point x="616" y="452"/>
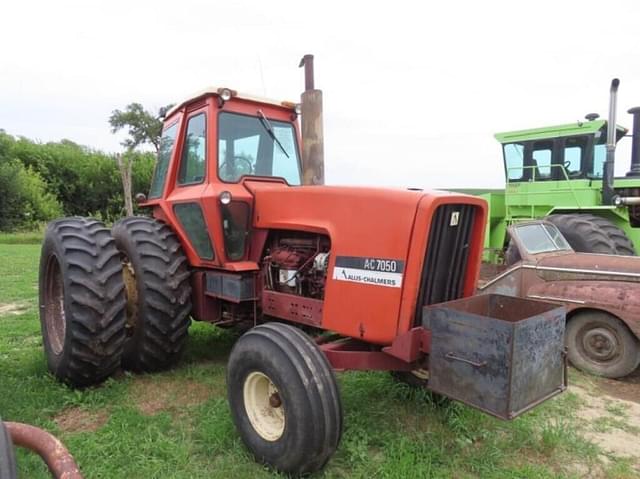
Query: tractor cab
<point x="212" y="143"/>
<point x="563" y="152"/>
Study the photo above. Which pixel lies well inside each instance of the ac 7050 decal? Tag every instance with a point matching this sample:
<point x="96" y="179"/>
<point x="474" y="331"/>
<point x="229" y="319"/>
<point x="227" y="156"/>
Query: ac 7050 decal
<point x="373" y="271"/>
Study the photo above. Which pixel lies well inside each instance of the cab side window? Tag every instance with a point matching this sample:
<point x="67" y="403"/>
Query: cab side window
<point x="192" y="164"/>
<point x="514" y="161"/>
<point x="541" y="159"/>
<point x="574" y="155"/>
<point x="162" y="165"/>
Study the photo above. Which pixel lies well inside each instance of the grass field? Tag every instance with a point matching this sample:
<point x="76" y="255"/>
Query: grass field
<point x="177" y="424"/>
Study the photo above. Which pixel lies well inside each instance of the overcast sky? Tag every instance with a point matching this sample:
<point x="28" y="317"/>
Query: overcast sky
<point x="413" y="91"/>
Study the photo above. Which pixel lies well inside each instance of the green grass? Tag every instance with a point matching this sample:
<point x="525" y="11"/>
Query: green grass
<point x="177" y="424"/>
<point x="29" y="237"/>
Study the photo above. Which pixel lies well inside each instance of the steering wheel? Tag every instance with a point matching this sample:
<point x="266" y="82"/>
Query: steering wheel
<point x="245" y="168"/>
<point x="570" y="174"/>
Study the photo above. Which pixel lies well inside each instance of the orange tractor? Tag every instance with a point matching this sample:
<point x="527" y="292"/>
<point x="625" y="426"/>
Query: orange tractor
<point x="242" y="232"/>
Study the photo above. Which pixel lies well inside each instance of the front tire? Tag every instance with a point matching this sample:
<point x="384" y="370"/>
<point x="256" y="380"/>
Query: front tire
<point x="82" y="301"/>
<point x="284" y="398"/>
<point x="157" y="279"/>
<point x="601" y="344"/>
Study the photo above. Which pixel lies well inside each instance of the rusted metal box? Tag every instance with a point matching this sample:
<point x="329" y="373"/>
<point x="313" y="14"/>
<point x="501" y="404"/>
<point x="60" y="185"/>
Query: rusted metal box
<point x="500" y="354"/>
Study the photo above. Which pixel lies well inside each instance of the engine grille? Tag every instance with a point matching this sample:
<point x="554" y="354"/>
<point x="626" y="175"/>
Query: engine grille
<point x="446" y="256"/>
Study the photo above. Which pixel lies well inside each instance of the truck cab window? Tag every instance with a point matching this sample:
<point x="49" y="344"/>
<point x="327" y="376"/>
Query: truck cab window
<point x="192" y="164"/>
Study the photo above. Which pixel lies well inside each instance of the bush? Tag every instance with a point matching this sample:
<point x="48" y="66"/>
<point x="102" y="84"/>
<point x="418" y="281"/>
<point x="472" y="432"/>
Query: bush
<point x="24" y="199"/>
<point x="78" y="180"/>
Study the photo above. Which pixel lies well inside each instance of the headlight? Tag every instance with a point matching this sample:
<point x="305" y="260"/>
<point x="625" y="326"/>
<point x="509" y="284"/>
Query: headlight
<point x="225" y="197"/>
<point x="225" y="94"/>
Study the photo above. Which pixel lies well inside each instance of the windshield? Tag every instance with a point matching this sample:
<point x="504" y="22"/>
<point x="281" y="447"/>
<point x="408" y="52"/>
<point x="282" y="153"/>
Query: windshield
<point x="254" y="145"/>
<point x="541" y="238"/>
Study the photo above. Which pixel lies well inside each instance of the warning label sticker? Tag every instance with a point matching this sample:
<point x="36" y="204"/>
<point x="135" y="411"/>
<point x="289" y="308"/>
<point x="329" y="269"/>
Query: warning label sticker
<point x="372" y="271"/>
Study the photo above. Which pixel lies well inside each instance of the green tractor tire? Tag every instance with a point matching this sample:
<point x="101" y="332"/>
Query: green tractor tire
<point x="623" y="244"/>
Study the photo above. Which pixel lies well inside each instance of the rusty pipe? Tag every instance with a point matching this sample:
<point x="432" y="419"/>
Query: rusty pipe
<point x="58" y="459"/>
<point x="307" y="63"/>
<point x="312" y="128"/>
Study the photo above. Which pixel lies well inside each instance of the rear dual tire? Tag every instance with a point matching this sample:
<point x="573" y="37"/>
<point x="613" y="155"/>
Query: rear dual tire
<point x="158" y="289"/>
<point x="284" y="398"/>
<point x="82" y="301"/>
<point x="91" y="323"/>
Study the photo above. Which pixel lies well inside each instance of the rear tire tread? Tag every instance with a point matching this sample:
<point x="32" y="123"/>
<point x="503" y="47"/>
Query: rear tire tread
<point x="94" y="300"/>
<point x="164" y="293"/>
<point x="623" y="244"/>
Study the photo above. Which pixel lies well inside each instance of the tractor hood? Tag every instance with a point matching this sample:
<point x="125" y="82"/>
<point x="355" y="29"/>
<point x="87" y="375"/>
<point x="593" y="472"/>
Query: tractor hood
<point x="378" y="241"/>
<point x="588" y="266"/>
<point x="371" y="221"/>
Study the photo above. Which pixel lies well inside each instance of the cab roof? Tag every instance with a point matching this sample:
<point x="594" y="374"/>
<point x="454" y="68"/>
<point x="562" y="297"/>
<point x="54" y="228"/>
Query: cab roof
<point x="213" y="90"/>
<point x="570" y="129"/>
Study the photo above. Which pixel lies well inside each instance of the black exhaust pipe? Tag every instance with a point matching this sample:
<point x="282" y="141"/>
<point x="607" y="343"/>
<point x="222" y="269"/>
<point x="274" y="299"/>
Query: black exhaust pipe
<point x="635" y="142"/>
<point x="607" y="174"/>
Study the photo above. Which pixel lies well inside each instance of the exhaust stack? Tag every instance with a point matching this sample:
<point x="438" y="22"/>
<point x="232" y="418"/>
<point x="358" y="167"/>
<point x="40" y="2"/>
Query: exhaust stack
<point x="312" y="131"/>
<point x="635" y="142"/>
<point x="609" y="164"/>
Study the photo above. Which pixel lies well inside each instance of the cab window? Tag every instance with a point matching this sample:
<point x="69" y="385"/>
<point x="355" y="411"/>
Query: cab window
<point x="575" y="152"/>
<point x="192" y="163"/>
<point x="162" y="164"/>
<point x="514" y="160"/>
<point x="541" y="159"/>
<point x="256" y="146"/>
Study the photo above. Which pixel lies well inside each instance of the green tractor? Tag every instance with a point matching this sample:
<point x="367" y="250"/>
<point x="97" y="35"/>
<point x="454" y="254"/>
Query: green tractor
<point x="564" y="174"/>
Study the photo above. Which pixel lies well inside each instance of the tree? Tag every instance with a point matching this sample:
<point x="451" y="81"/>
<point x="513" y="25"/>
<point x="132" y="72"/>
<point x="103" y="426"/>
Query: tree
<point x="143" y="127"/>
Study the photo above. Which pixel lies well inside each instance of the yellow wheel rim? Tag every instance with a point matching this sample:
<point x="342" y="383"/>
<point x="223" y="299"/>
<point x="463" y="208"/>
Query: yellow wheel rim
<point x="264" y="406"/>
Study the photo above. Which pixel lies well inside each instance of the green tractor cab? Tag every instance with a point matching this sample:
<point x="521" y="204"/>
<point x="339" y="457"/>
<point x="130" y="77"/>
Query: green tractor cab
<point x="564" y="173"/>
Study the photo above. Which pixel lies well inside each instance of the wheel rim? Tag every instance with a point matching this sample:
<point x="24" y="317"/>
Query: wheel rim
<point x="131" y="292"/>
<point x="264" y="407"/>
<point x="54" y="315"/>
<point x="601" y="344"/>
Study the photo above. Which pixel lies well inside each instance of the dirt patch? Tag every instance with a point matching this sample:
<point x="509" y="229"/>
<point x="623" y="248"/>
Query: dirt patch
<point x="79" y="420"/>
<point x="12" y="308"/>
<point x="153" y="395"/>
<point x="610" y="422"/>
<point x="627" y="388"/>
